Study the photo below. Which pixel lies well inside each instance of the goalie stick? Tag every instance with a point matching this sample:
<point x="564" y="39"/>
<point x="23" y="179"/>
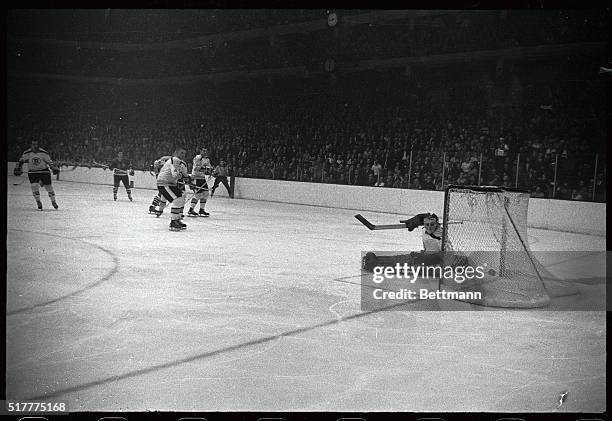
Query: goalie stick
<point x="373" y="227"/>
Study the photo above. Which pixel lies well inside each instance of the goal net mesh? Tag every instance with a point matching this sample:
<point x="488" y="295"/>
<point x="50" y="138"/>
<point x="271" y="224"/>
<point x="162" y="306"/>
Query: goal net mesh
<point x="487" y="227"/>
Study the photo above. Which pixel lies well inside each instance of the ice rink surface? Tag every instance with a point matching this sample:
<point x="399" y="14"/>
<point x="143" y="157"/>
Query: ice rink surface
<point x="257" y="308"/>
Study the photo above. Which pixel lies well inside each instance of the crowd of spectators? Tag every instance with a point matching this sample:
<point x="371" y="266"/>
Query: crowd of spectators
<point x="372" y="129"/>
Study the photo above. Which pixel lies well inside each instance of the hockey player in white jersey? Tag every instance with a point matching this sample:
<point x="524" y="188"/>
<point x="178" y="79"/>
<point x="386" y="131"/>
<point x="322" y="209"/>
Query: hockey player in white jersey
<point x="40" y="168"/>
<point x="157" y="165"/>
<point x="432" y="245"/>
<point x="201" y="169"/>
<point x="173" y="172"/>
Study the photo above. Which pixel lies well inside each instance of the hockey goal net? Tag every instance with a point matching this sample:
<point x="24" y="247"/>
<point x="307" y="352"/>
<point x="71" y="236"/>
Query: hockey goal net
<point x="487" y="227"/>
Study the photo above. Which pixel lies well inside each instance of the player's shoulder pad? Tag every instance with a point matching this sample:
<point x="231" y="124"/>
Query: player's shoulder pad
<point x="27" y="151"/>
<point x="42" y="150"/>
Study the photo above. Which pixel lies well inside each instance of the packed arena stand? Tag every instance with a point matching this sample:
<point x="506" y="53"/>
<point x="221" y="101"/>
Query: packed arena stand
<point x="535" y="123"/>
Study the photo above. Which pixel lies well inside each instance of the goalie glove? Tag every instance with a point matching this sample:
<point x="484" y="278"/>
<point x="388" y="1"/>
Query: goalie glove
<point x="17" y="171"/>
<point x="131" y="172"/>
<point x="415" y="221"/>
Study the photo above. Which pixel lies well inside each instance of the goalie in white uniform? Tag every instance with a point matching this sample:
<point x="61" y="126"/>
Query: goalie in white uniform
<point x="432" y="245"/>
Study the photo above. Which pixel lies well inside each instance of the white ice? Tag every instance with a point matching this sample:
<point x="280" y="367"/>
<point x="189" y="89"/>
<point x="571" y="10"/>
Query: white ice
<point x="252" y="310"/>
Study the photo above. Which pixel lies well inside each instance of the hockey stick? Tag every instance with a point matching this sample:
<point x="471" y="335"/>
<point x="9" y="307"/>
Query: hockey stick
<point x="194" y="187"/>
<point x="373" y="227"/>
<point x="68" y="170"/>
<point x="100" y="164"/>
<point x="20" y="182"/>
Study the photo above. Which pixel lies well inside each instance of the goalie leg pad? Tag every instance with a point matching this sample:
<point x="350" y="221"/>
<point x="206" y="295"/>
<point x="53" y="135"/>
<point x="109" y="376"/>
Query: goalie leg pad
<point x="369" y="261"/>
<point x="393" y="260"/>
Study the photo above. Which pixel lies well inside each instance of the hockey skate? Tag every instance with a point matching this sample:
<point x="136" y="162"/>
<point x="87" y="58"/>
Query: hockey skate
<point x="191" y="213"/>
<point x="177" y="225"/>
<point x="54" y="205"/>
<point x="39" y="204"/>
<point x="203" y="213"/>
<point x="115" y="197"/>
<point x="151" y="209"/>
<point x="130" y="197"/>
<point x="158" y="212"/>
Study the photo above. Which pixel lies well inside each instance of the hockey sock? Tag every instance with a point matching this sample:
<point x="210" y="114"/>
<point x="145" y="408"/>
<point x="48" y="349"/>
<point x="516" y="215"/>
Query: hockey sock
<point x="175" y="213"/>
<point x="52" y="196"/>
<point x="36" y="196"/>
<point x="155" y="201"/>
<point x="194" y="202"/>
<point x="129" y="191"/>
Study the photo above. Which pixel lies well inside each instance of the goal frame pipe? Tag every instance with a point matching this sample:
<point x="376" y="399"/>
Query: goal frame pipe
<point x="443" y="167"/>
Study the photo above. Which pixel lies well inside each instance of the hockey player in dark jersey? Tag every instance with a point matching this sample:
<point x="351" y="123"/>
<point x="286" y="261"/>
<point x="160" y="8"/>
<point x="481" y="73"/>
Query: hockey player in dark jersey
<point x="432" y="242"/>
<point x="40" y="168"/>
<point x="220" y="174"/>
<point x="121" y="167"/>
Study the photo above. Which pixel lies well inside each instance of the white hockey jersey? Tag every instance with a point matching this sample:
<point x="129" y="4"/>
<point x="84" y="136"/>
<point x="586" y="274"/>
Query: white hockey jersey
<point x="201" y="167"/>
<point x="172" y="170"/>
<point x="158" y="163"/>
<point x="38" y="162"/>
